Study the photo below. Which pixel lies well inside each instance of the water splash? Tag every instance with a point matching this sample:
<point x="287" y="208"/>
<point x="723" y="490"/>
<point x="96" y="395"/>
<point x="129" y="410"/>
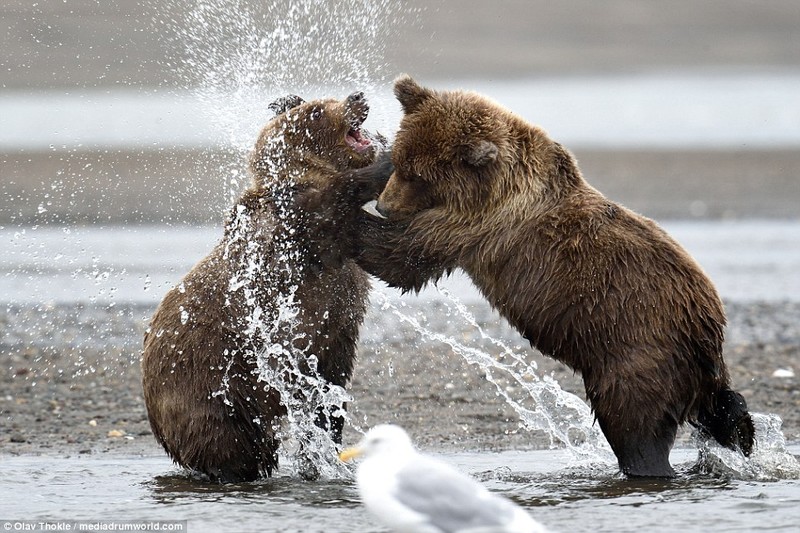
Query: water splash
<point x="769" y="460"/>
<point x="241" y="45"/>
<point x="266" y="272"/>
<point x="239" y="55"/>
<point x="541" y="403"/>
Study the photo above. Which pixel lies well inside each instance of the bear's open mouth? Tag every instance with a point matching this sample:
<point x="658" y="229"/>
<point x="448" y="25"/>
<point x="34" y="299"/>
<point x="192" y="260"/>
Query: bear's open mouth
<point x="357" y="140"/>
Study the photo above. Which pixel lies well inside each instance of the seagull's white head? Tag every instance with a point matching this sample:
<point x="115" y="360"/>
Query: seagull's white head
<point x="384" y="439"/>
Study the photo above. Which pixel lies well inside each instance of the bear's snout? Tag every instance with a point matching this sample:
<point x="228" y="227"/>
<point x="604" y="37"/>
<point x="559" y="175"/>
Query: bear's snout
<point x="382" y="209"/>
<point x="387" y="208"/>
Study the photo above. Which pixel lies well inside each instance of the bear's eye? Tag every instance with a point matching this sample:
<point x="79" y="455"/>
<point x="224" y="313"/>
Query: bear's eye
<point x="409" y="173"/>
<point x="316" y="114"/>
<point x="409" y="176"/>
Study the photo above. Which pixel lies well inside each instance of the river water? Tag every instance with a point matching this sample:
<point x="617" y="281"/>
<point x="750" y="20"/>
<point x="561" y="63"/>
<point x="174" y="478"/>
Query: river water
<point x="748" y="260"/>
<point x="729" y="110"/>
<point x="559" y="494"/>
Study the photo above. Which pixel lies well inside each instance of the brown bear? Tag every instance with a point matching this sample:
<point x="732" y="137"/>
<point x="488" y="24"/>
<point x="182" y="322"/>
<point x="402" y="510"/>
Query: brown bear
<point x="586" y="281"/>
<point x="288" y="247"/>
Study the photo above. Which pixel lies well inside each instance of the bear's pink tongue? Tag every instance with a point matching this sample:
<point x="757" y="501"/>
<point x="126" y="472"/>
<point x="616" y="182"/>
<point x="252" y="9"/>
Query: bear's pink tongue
<point x="356" y="141"/>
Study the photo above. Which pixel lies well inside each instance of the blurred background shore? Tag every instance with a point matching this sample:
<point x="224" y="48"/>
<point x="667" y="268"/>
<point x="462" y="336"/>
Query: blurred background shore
<point x="68" y="59"/>
<point x="114" y="43"/>
<point x="688" y="112"/>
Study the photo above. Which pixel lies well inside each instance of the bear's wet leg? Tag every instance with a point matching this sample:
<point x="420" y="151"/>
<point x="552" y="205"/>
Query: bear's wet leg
<point x="330" y="422"/>
<point x="333" y="424"/>
<point x="642" y="451"/>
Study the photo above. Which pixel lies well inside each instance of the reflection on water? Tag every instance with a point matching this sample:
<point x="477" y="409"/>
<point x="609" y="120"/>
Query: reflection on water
<point x="184" y="488"/>
<point x="575" y="485"/>
<point x="561" y="495"/>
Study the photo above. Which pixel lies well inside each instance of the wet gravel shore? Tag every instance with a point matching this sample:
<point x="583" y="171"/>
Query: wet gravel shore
<point x="71" y="378"/>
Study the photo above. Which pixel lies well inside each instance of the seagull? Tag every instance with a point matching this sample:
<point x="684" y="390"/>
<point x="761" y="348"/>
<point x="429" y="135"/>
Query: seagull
<point x="410" y="492"/>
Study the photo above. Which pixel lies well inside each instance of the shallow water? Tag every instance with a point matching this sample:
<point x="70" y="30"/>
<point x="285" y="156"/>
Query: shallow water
<point x="562" y="496"/>
<point x="748" y="260"/>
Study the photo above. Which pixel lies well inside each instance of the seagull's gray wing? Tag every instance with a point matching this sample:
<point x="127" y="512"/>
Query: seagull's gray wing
<point x="451" y="500"/>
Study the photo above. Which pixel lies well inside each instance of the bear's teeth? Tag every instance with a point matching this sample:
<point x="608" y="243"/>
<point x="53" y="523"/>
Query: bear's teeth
<point x="357" y="141"/>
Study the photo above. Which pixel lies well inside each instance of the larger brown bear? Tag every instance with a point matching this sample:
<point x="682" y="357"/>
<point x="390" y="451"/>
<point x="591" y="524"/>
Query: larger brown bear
<point x="585" y="280"/>
<point x="288" y="247"/>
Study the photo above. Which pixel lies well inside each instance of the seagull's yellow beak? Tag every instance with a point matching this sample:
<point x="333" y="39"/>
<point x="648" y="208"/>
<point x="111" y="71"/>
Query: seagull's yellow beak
<point x="350" y="453"/>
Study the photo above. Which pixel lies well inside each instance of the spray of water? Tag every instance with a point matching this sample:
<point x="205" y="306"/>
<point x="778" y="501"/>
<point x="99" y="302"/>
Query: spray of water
<point x="769" y="461"/>
<point x="539" y="401"/>
<point x="544" y="405"/>
<point x="270" y="271"/>
<point x="236" y="56"/>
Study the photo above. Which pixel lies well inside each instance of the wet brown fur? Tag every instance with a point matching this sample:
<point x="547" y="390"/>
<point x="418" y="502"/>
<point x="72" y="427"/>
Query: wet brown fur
<point x="205" y="402"/>
<point x="585" y="280"/>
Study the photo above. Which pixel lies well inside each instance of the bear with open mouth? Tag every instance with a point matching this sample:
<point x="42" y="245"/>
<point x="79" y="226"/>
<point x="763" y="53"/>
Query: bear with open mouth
<point x="289" y="240"/>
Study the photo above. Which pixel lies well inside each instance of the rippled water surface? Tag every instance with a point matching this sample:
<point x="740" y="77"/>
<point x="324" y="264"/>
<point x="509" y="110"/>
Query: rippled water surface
<point x="562" y="496"/>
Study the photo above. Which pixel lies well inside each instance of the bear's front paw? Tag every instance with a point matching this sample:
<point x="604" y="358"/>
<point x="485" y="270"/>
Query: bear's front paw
<point x="366" y="183"/>
<point x="382" y="168"/>
<point x="310" y="199"/>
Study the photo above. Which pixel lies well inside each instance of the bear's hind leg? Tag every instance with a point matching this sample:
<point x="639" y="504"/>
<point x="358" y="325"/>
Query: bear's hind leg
<point x="642" y="451"/>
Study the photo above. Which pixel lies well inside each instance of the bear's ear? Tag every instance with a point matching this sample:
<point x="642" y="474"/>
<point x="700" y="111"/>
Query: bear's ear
<point x="409" y="93"/>
<point x="479" y="154"/>
<point x="285" y="103"/>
